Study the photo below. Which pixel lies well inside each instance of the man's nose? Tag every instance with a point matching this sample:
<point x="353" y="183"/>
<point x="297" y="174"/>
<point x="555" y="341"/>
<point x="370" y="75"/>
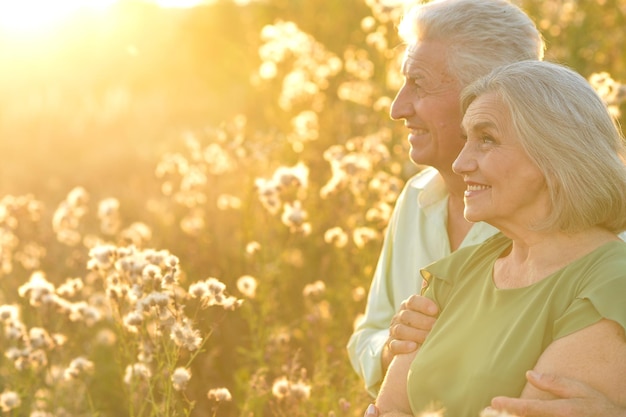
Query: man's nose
<point x="402" y="105"/>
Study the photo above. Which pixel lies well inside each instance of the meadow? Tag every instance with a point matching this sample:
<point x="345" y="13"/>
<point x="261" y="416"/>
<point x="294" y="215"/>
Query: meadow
<point x="192" y="200"/>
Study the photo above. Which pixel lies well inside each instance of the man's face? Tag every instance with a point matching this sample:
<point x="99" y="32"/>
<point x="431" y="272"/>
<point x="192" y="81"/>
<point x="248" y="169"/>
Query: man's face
<point x="429" y="104"/>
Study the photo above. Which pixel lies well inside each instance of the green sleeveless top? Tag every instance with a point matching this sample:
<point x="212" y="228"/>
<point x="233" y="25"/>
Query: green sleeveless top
<point x="487" y="338"/>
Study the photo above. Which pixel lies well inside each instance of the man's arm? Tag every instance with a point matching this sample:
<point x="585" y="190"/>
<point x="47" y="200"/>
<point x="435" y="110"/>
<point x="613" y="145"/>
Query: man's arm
<point x="373" y="344"/>
<point x="573" y="399"/>
<point x="370" y="348"/>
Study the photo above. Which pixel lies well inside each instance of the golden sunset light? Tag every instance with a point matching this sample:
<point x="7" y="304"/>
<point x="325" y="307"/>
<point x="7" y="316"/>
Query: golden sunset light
<point x="26" y="17"/>
<point x="196" y="196"/>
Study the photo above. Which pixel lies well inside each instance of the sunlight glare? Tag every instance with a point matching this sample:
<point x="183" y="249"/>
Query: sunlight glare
<point x="178" y="3"/>
<point x="27" y="16"/>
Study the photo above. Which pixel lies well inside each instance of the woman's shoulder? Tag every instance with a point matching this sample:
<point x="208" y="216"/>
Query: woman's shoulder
<point x="470" y="258"/>
<point x="609" y="257"/>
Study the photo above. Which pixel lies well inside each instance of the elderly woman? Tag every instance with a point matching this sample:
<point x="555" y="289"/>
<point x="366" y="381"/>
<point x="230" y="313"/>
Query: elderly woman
<point x="544" y="163"/>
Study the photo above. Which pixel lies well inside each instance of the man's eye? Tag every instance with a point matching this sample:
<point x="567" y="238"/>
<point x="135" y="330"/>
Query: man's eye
<point x="416" y="83"/>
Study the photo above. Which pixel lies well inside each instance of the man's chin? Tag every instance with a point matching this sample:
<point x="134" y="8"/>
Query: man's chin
<point x="418" y="158"/>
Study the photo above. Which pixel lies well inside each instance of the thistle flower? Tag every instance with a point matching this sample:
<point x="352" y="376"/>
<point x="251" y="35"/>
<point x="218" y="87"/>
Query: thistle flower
<point x="157" y="299"/>
<point x="109" y="215"/>
<point x="77" y="367"/>
<point x="108" y="207"/>
<point x="9" y="400"/>
<point x="193" y="224"/>
<point x="180" y="378"/>
<point x="305" y="127"/>
<point x="294" y="217"/>
<point x="379" y="213"/>
<point x="253" y="247"/>
<point x="363" y="235"/>
<point x="137" y="371"/>
<point x="70" y="287"/>
<point x="247" y="285"/>
<point x="66" y="218"/>
<point x="314" y="290"/>
<point x="280" y="388"/>
<point x="269" y="195"/>
<point x="38" y="337"/>
<point x="137" y="234"/>
<point x="213" y="292"/>
<point x="84" y="312"/>
<point x="219" y="394"/>
<point x="198" y="289"/>
<point x="58" y="339"/>
<point x="336" y="236"/>
<point x="358" y="294"/>
<point x="132" y="320"/>
<point x="296" y="176"/>
<point x="218" y="159"/>
<point x="14" y="353"/>
<point x="227" y="201"/>
<point x="37" y="288"/>
<point x="283" y="388"/>
<point x="77" y="197"/>
<point x="300" y="390"/>
<point x="9" y="312"/>
<point x="152" y="272"/>
<point x="280" y="338"/>
<point x="185" y="336"/>
<point x="101" y="257"/>
<point x="14" y="330"/>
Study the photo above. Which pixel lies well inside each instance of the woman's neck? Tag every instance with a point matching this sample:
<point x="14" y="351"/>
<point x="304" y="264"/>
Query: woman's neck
<point x="536" y="255"/>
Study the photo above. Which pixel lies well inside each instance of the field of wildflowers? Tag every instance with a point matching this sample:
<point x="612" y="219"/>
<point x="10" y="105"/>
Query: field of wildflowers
<point x="192" y="201"/>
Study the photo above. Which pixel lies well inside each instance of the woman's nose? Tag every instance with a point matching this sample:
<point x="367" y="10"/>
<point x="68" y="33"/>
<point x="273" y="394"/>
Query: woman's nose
<point x="464" y="162"/>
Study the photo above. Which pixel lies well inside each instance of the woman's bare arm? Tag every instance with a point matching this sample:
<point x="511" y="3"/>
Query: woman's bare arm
<point x="595" y="355"/>
<point x="393" y="398"/>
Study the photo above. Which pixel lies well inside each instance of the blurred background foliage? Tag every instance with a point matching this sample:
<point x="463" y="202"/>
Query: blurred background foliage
<point x="252" y="139"/>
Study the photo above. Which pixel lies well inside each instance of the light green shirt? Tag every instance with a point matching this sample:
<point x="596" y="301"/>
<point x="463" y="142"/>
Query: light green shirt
<point x="487" y="338"/>
<point x="416" y="236"/>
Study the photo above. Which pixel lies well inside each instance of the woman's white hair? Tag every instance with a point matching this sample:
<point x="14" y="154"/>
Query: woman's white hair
<point x="565" y="127"/>
<point x="479" y="34"/>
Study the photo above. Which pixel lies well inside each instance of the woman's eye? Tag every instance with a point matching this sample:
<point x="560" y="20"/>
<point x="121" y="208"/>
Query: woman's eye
<point x="487" y="139"/>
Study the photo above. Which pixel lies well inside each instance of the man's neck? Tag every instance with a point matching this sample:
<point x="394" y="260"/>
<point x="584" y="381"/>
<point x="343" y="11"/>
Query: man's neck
<point x="457" y="227"/>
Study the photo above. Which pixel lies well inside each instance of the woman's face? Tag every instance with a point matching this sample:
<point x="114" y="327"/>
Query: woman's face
<point x="504" y="186"/>
<point x="429" y="103"/>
